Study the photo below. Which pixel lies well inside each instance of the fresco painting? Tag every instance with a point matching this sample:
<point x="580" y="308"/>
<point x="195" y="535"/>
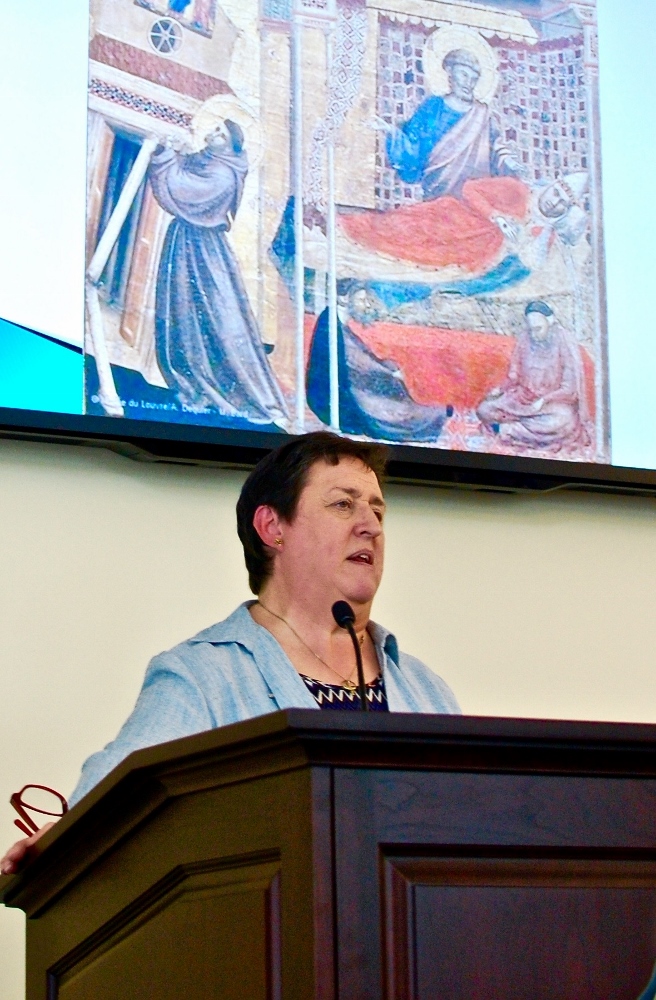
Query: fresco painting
<point x="381" y="217"/>
<point x="197" y="15"/>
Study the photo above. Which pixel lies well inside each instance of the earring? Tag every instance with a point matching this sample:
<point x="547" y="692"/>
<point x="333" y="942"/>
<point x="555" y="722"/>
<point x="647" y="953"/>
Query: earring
<point x="278" y="541"/>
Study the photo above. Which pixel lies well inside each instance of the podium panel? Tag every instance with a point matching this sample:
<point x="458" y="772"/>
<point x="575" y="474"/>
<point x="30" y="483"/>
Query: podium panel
<point x="503" y="928"/>
<point x="332" y="856"/>
<point x="504" y="885"/>
<point x="208" y="931"/>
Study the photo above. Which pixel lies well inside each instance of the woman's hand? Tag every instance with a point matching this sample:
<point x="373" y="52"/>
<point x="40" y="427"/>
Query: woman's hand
<point x="16" y="856"/>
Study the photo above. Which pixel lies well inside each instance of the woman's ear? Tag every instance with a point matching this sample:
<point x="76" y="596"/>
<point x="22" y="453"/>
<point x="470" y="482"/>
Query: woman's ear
<point x="268" y="525"/>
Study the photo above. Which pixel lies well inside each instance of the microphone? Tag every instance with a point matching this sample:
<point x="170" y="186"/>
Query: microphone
<point x="345" y="616"/>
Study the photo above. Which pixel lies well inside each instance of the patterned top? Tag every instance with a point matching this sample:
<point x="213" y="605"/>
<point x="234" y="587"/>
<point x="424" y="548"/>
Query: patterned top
<point x="338" y="696"/>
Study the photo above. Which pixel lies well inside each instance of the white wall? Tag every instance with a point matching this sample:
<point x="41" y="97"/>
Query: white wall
<point x="526" y="605"/>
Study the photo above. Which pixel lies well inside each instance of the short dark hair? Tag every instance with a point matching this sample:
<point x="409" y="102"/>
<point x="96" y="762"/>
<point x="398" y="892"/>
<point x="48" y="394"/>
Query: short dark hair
<point x="278" y="481"/>
<point x="538" y="306"/>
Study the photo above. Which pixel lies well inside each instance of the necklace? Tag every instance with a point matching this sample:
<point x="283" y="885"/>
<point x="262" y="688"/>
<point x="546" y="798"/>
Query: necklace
<point x="346" y="681"/>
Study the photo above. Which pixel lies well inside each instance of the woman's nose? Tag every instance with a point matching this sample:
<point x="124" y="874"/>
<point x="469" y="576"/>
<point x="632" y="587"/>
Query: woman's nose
<point x="368" y="522"/>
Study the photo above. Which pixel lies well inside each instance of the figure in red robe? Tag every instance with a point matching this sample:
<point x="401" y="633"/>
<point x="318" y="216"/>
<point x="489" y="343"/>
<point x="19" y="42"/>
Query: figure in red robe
<point x="542" y="403"/>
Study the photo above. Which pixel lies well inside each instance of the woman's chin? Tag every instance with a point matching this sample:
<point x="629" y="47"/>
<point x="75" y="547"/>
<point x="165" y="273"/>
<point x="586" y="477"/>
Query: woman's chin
<point x="361" y="594"/>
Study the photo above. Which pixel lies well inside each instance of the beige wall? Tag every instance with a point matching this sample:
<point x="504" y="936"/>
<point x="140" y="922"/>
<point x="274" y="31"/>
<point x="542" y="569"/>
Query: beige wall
<point x="526" y="605"/>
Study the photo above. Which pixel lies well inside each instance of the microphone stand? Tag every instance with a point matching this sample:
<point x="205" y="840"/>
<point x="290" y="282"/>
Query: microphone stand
<point x="362" y="687"/>
<point x="344" y="616"/>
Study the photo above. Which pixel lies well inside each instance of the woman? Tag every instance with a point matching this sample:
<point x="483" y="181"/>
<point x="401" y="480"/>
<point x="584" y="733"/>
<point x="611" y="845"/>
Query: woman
<point x="310" y="518"/>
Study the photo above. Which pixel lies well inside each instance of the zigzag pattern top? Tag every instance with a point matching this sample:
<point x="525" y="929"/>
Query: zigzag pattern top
<point x="336" y="696"/>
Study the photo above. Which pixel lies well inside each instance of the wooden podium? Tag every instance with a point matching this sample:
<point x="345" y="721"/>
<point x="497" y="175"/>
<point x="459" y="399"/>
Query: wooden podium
<point x="331" y="855"/>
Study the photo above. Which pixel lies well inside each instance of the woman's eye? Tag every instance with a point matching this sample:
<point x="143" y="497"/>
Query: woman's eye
<point x="343" y="504"/>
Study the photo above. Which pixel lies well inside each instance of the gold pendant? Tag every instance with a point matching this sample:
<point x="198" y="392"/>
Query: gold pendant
<point x="350" y="686"/>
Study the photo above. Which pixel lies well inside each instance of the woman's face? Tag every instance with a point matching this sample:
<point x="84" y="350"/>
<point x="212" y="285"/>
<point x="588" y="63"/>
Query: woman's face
<point x="334" y="547"/>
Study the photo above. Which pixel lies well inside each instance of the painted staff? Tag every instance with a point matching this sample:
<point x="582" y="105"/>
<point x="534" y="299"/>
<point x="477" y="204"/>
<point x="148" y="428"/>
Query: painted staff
<point x="307" y="13"/>
<point x="297" y="181"/>
<point x="107" y="390"/>
<point x="333" y="365"/>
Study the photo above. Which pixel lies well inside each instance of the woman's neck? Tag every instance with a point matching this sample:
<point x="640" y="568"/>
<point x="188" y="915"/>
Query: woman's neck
<point x="309" y="613"/>
<point x="315" y="644"/>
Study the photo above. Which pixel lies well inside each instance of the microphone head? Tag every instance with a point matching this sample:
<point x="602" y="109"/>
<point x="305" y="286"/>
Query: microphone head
<point x="343" y="613"/>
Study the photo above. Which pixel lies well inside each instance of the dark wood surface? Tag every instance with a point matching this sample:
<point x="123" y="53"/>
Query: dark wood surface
<point x="328" y="855"/>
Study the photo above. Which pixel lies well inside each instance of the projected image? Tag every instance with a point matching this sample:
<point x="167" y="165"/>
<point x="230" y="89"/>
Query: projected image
<point x="195" y="14"/>
<point x="382" y="218"/>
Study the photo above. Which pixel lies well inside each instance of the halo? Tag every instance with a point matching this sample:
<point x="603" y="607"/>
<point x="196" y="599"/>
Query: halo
<point x="216" y="109"/>
<point x="457" y="36"/>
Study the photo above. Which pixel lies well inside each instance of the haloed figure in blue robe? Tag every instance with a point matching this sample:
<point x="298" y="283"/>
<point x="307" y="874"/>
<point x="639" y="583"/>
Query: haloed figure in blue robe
<point x="449" y="139"/>
<point x="208" y="345"/>
<point x="373" y="399"/>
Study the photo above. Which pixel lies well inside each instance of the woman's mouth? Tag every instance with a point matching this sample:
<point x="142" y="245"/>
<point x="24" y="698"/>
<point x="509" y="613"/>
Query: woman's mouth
<point x="364" y="557"/>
